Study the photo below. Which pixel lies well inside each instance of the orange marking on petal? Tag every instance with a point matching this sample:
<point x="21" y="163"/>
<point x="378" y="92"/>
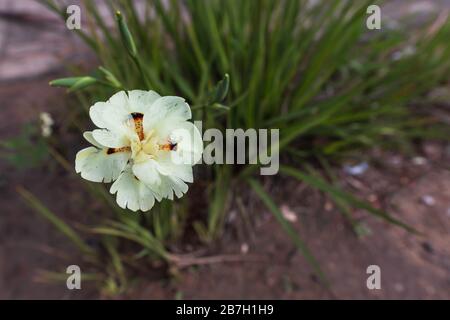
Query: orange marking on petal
<point x="115" y="150"/>
<point x="138" y="124"/>
<point x="168" y="146"/>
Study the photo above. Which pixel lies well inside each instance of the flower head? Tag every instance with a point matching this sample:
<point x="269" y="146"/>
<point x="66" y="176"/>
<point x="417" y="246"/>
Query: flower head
<point x="46" y="124"/>
<point x="145" y="145"/>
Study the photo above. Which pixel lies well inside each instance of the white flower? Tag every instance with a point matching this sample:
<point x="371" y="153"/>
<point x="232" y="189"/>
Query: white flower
<point x="46" y="124"/>
<point x="145" y="144"/>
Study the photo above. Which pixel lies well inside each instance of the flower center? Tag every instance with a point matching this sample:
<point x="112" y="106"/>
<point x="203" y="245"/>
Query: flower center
<point x="148" y="144"/>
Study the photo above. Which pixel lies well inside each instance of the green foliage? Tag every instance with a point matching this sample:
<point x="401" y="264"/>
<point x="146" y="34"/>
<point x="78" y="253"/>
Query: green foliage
<point x="73" y="83"/>
<point x="63" y="227"/>
<point x="315" y="72"/>
<point x="27" y="150"/>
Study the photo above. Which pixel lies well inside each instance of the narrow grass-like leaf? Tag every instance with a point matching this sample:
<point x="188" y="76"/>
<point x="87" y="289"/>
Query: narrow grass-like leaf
<point x="63" y="227"/>
<point x="74" y="83"/>
<point x="293" y="234"/>
<point x="346" y="197"/>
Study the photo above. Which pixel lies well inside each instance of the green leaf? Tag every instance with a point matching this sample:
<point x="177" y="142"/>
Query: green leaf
<point x="73" y="83"/>
<point x="116" y="260"/>
<point x="63" y="227"/>
<point x="221" y="90"/>
<point x="133" y="232"/>
<point x="127" y="38"/>
<point x="110" y="77"/>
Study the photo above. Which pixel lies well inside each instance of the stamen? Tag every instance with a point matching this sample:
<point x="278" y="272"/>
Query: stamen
<point x="138" y="124"/>
<point x="168" y="146"/>
<point x="115" y="150"/>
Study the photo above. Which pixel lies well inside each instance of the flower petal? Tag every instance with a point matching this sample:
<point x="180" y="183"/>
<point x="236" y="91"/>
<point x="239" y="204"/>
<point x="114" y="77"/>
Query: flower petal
<point x="165" y="112"/>
<point x="111" y="139"/>
<point x="98" y="166"/>
<point x="89" y="138"/>
<point x="132" y="193"/>
<point x="166" y="166"/>
<point x="119" y="100"/>
<point x="140" y="100"/>
<point x="163" y="186"/>
<point x="147" y="172"/>
<point x="170" y="185"/>
<point x="108" y="116"/>
<point x="114" y="115"/>
<point x="189" y="144"/>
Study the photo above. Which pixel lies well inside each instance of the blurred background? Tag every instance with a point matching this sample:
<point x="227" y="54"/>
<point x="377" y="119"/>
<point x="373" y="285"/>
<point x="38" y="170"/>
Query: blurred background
<point x="248" y="262"/>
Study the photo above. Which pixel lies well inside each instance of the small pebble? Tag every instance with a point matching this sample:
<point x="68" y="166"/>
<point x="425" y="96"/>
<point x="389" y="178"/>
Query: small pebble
<point x="405" y="52"/>
<point x="399" y="287"/>
<point x="428" y="200"/>
<point x="232" y="216"/>
<point x="288" y="214"/>
<point x="356" y="170"/>
<point x="396" y="161"/>
<point x="419" y="161"/>
<point x="427" y="247"/>
<point x="244" y="248"/>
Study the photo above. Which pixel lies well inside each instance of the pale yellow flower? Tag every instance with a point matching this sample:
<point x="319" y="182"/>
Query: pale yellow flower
<point x="145" y="145"/>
